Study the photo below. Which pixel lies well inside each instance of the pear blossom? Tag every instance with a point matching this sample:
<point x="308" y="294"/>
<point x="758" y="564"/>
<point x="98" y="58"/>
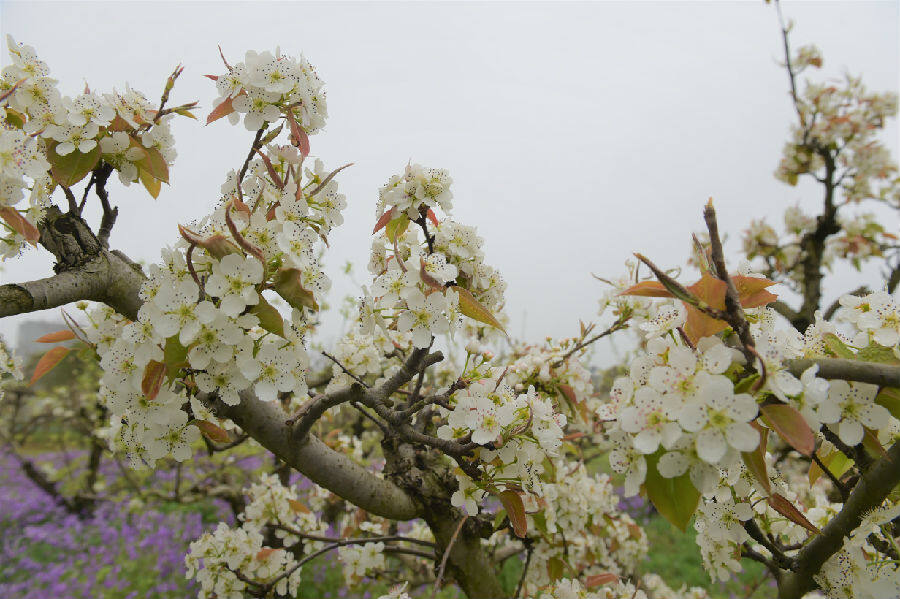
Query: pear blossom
<point x="234" y="280"/>
<point x="721" y="419"/>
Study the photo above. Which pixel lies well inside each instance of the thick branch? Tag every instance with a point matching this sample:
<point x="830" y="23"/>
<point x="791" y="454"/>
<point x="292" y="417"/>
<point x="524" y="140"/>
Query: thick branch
<point x="320" y="404"/>
<point x="333" y="470"/>
<point x="884" y="375"/>
<point x="107" y="278"/>
<point x="874" y="485"/>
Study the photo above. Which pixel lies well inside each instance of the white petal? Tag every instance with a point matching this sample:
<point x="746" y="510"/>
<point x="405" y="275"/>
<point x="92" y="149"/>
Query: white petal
<point x="742" y="436"/>
<point x="711" y="445"/>
<point x="647" y="441"/>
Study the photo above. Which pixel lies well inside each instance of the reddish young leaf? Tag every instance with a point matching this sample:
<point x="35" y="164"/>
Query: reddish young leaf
<point x="699" y="325"/>
<point x="264" y="553"/>
<point x="217" y="245"/>
<point x="223" y="109"/>
<point x="711" y="290"/>
<point x="155" y="165"/>
<point x="432" y="217"/>
<point x="73" y="167"/>
<point x="273" y="174"/>
<point x="647" y="289"/>
<point x="211" y="431"/>
<point x="298" y="135"/>
<point x="787" y="509"/>
<point x="48" y="361"/>
<point x="213" y="77"/>
<point x="597" y="580"/>
<point x="383" y="220"/>
<point x="569" y="392"/>
<point x="427" y="278"/>
<point x="118" y="124"/>
<point x="752" y="291"/>
<point x="56" y="337"/>
<point x="756" y="460"/>
<point x="298" y="507"/>
<point x="790" y="426"/>
<point x="19" y="224"/>
<point x="154" y="375"/>
<point x="512" y="501"/>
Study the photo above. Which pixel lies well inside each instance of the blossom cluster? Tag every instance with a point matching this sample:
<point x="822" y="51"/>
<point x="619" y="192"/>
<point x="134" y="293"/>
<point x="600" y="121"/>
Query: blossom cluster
<point x="216" y="558"/>
<point x="576" y="520"/>
<point x="418" y="283"/>
<point x="650" y="587"/>
<point x="277" y="522"/>
<point x="41" y="128"/>
<point x="265" y="87"/>
<point x="690" y="410"/>
<point x="205" y="316"/>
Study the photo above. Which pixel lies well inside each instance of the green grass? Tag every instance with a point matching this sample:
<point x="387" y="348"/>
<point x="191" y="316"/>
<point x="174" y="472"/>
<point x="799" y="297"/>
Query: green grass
<point x="674" y="556"/>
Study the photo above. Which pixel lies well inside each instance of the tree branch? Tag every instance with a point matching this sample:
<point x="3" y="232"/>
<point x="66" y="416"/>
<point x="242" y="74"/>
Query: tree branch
<point x="330" y="469"/>
<point x="107" y="279"/>
<point x="874" y="485"/>
<point x="883" y="375"/>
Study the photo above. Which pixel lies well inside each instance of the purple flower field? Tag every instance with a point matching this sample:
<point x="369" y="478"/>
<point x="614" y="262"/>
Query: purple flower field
<point x="117" y="553"/>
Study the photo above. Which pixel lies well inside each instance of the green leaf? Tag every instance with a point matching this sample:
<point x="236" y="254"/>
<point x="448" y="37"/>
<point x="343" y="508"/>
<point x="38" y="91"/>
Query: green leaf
<point x="889" y="398"/>
<point x="743" y="386"/>
<point x="175" y="357"/>
<point x="556" y="568"/>
<point x="155" y="165"/>
<point x="185" y="112"/>
<point x="287" y="285"/>
<point x="15" y="119"/>
<point x="840" y="349"/>
<point x="73" y="167"/>
<point x="396" y="227"/>
<point x="674" y="498"/>
<point x="471" y="307"/>
<point x="150" y="183"/>
<point x="790" y="426"/>
<point x="269" y="317"/>
<point x="877" y="353"/>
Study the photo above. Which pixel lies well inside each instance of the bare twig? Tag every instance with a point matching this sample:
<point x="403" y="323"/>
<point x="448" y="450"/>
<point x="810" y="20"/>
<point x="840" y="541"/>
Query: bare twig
<point x="446" y="556"/>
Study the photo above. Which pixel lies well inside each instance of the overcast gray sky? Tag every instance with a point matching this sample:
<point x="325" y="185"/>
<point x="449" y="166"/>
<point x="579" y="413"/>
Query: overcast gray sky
<point x="575" y="133"/>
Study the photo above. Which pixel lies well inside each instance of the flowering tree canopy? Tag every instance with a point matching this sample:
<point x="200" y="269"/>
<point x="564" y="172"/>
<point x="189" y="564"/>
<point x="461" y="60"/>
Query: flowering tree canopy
<point x="772" y="429"/>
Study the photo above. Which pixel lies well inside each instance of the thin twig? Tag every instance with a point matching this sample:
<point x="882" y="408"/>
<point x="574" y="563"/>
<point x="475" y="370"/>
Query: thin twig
<point x="524" y="572"/>
<point x="345" y="369"/>
<point x="446" y="556"/>
<point x="621" y="323"/>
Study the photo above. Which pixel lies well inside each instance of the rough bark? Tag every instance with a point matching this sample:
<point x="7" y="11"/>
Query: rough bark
<point x="85" y="270"/>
